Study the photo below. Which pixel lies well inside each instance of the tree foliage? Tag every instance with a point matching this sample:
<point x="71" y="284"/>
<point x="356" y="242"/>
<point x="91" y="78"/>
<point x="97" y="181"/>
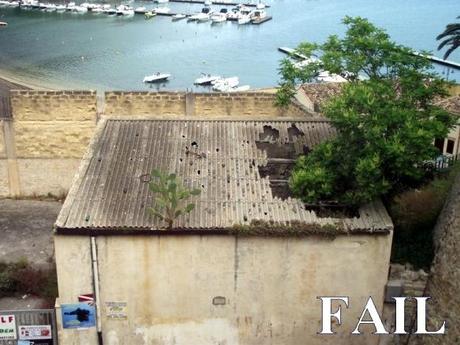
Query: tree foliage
<point x="450" y="37"/>
<point x="171" y="197"/>
<point x="385" y="117"/>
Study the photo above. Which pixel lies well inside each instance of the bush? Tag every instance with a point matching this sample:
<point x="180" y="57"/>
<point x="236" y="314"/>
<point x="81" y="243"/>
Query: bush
<point x="19" y="278"/>
<point x="414" y="213"/>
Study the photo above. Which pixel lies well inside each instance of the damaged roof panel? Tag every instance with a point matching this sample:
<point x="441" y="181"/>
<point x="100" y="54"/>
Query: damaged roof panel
<point x="222" y="158"/>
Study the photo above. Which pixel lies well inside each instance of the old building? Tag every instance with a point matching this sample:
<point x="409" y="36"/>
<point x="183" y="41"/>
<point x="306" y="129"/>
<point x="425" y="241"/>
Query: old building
<point x="244" y="267"/>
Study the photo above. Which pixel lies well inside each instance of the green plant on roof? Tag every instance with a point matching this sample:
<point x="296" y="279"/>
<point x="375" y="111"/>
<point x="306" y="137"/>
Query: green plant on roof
<point x="170" y="197"/>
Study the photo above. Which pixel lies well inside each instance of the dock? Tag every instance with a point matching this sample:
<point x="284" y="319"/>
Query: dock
<point x="440" y="61"/>
<point x="292" y="52"/>
<point x="222" y="3"/>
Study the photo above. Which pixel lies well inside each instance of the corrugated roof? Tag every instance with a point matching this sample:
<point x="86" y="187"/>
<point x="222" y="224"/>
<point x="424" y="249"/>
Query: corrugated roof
<point x="110" y="191"/>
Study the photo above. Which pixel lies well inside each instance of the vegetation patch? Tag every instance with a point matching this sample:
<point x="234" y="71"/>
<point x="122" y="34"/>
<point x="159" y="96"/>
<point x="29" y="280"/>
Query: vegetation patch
<point x="414" y="213"/>
<point x="259" y="227"/>
<point x="20" y="278"/>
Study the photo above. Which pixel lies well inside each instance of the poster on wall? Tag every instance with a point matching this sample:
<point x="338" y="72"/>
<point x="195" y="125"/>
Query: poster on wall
<point x="8" y="327"/>
<point x="35" y="332"/>
<point x="116" y="310"/>
<point x="80" y="315"/>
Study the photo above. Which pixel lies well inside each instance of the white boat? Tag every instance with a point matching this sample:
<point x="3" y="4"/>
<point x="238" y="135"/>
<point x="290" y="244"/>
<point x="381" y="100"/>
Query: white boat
<point x="207" y="2"/>
<point x="203" y="17"/>
<point x="3" y="24"/>
<point x="206" y="79"/>
<point x="97" y="10"/>
<point x="70" y="6"/>
<point x="141" y="10"/>
<point x="13" y="4"/>
<point x="258" y="14"/>
<point x="60" y="8"/>
<point x="149" y="15"/>
<point x="225" y="84"/>
<point x="326" y="77"/>
<point x="219" y="18"/>
<point x="162" y="1"/>
<point x="162" y="10"/>
<point x="260" y="5"/>
<point x="157" y="77"/>
<point x="244" y="19"/>
<point x="80" y="9"/>
<point x="125" y="10"/>
<point x="50" y="8"/>
<point x="178" y="16"/>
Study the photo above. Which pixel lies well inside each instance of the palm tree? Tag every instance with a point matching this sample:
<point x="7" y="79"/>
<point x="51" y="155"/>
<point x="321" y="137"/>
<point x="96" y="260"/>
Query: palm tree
<point x="450" y="37"/>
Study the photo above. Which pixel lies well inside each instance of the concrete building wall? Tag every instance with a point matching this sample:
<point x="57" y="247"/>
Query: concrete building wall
<point x="270" y="286"/>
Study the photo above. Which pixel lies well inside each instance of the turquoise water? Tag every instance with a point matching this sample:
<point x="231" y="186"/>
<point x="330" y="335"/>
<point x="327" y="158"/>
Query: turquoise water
<point x="97" y="51"/>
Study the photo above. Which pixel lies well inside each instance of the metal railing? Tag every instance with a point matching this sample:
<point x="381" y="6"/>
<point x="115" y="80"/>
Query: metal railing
<point x="32" y="317"/>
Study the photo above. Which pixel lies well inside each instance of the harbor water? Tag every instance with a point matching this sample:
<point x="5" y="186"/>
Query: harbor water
<point x="101" y="52"/>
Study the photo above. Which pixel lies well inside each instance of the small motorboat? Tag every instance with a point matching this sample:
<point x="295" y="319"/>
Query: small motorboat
<point x="206" y="79"/>
<point x="258" y="14"/>
<point x="178" y="16"/>
<point x="3" y="24"/>
<point x="244" y="19"/>
<point x="156" y="78"/>
<point x="260" y="5"/>
<point x="61" y="8"/>
<point x="219" y="17"/>
<point x="97" y="10"/>
<point x="161" y="1"/>
<point x="162" y="10"/>
<point x="149" y="15"/>
<point x="225" y="84"/>
<point x="140" y="10"/>
<point x="125" y="10"/>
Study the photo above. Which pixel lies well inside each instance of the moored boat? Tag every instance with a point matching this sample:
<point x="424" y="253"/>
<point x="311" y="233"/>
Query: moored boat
<point x="178" y="16"/>
<point x="3" y="24"/>
<point x="156" y="78"/>
<point x="206" y="79"/>
<point x="149" y="15"/>
<point x="162" y="10"/>
<point x="244" y="19"/>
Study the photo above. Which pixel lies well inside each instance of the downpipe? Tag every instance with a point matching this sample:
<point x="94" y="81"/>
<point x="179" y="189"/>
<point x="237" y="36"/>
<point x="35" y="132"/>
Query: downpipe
<point x="96" y="289"/>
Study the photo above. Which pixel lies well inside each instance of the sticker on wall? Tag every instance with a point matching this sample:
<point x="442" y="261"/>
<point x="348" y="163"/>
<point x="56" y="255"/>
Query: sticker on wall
<point x="79" y="315"/>
<point x="8" y="327"/>
<point x="116" y="310"/>
<point x="36" y="332"/>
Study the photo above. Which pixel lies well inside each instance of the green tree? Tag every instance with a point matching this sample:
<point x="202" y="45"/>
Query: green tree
<point x="385" y="117"/>
<point x="171" y="196"/>
<point x="450" y="37"/>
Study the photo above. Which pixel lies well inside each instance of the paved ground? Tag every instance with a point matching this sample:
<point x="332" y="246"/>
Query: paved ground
<point x="26" y="230"/>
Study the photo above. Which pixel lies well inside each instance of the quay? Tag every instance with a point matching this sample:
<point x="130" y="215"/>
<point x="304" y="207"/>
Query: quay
<point x="292" y="52"/>
<point x="439" y="60"/>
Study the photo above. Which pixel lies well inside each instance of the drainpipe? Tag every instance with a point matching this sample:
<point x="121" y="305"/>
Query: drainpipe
<point x="96" y="289"/>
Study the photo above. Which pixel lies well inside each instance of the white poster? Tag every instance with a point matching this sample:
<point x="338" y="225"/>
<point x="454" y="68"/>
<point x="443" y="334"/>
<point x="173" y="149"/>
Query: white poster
<point x="7" y="327"/>
<point x="35" y="332"/>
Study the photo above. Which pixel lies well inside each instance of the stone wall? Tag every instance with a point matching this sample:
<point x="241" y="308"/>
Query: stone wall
<point x="238" y="104"/>
<point x="42" y="143"/>
<point x="45" y="139"/>
<point x="444" y="281"/>
<point x="144" y="103"/>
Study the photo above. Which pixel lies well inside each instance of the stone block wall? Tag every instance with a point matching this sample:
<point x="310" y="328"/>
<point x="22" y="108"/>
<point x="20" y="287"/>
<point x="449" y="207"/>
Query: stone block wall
<point x="44" y="140"/>
<point x="144" y="103"/>
<point x="42" y="143"/>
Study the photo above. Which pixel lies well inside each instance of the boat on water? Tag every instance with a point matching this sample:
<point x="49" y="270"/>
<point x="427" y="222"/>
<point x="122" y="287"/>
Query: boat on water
<point x="149" y="15"/>
<point x="162" y="10"/>
<point x="61" y="8"/>
<point x="260" y="5"/>
<point x="178" y="16"/>
<point x="156" y="78"/>
<point x="258" y="14"/>
<point x="205" y="15"/>
<point x="125" y="10"/>
<point x="244" y="19"/>
<point x="225" y="84"/>
<point x="219" y="17"/>
<point x="3" y="24"/>
<point x="161" y="1"/>
<point x="206" y="79"/>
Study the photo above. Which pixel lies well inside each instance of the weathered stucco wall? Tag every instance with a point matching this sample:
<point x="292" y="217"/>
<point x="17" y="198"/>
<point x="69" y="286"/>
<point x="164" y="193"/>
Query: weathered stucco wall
<point x="270" y="286"/>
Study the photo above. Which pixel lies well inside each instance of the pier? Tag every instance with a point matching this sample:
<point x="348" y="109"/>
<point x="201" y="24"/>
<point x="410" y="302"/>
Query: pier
<point x="292" y="52"/>
<point x="437" y="60"/>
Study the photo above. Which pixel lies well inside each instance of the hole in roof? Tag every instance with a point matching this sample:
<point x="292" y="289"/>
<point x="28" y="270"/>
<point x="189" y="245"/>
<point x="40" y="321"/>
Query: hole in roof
<point x="180" y="159"/>
<point x="195" y="144"/>
<point x="137" y="134"/>
<point x="269" y="134"/>
<point x="294" y="132"/>
<point x="217" y="150"/>
<point x="245" y="218"/>
<point x="198" y="172"/>
<point x="202" y="186"/>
